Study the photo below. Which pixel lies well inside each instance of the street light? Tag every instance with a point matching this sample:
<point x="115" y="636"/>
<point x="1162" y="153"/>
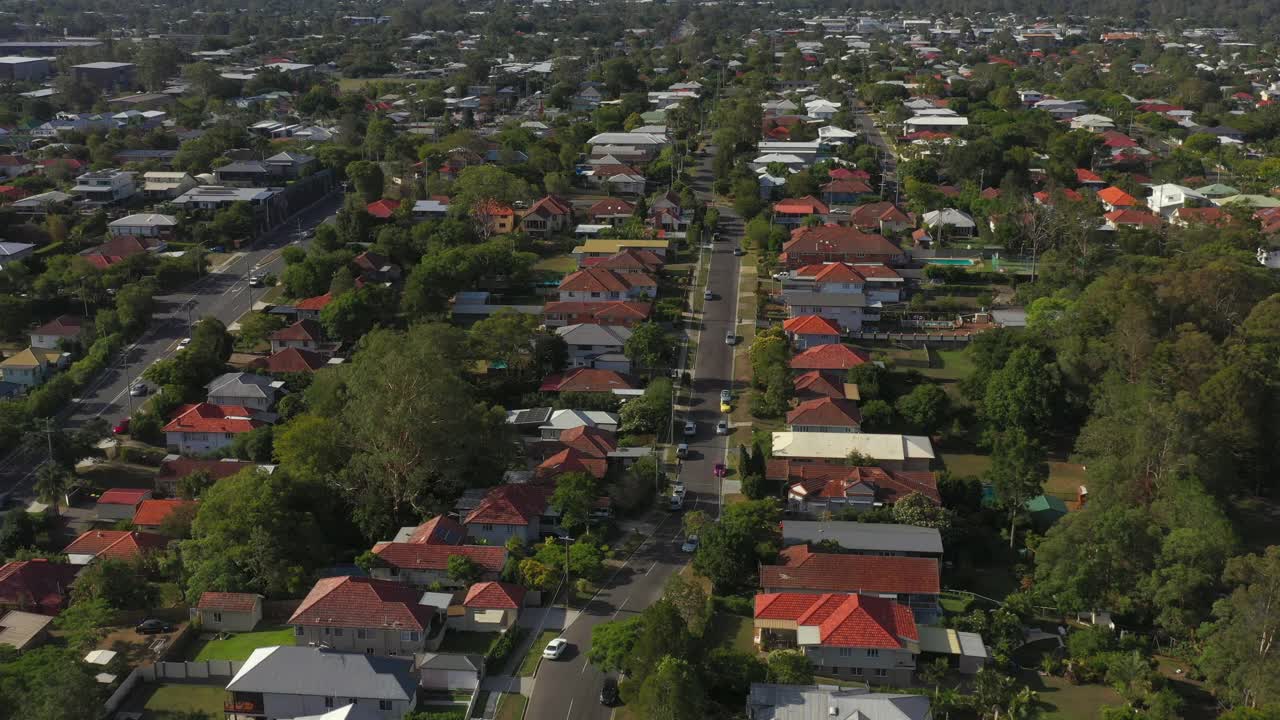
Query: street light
<point x="568" y="589"/>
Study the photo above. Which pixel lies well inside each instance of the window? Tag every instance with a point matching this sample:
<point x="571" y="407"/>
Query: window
<point x="846" y="652"/>
<point x="856" y="672"/>
<point x="882" y="672"/>
<point x="217" y="617"/>
<point x="368" y="651"/>
<point x="408" y="636"/>
<point x="488" y="527"/>
<point x="384" y="704"/>
<point x="872" y="652"/>
<point x="328" y="701"/>
<point x="360" y="633"/>
<point x="228" y="436"/>
<point x="326" y="631"/>
<point x="298" y="631"/>
<point x="337" y="632"/>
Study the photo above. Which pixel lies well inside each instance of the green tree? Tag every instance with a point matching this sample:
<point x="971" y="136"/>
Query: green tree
<point x="790" y="667"/>
<point x="368" y="180"/>
<point x="1240" y="660"/>
<point x="673" y="692"/>
<point x="920" y="511"/>
<point x="85" y="622"/>
<point x="691" y="601"/>
<point x="1019" y="468"/>
<point x="122" y="585"/>
<point x="1022" y="393"/>
<point x="573" y="498"/>
<point x="506" y="337"/>
<point x="613" y="642"/>
<point x="463" y="570"/>
<point x="924" y="409"/>
<point x="648" y="347"/>
<point x="53" y="482"/>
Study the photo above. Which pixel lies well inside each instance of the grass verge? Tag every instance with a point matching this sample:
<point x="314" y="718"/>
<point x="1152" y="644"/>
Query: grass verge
<point x="533" y="658"/>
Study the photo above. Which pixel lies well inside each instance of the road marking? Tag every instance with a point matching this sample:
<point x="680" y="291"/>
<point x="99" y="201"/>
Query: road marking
<point x="646" y="572"/>
<point x="570" y="713"/>
<point x="620" y="607"/>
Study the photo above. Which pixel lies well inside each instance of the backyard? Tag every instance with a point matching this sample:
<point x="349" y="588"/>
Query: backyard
<point x="1061" y="700"/>
<point x="166" y="701"/>
<point x="731" y="631"/>
<point x="467" y="643"/>
<point x="238" y="646"/>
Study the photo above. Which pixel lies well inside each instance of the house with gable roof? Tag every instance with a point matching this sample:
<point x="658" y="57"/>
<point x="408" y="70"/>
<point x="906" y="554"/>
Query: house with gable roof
<point x="364" y="615"/>
<point x="511" y="511"/>
<point x="806" y="331"/>
<point x="821" y="488"/>
<point x="304" y="334"/>
<point x="419" y="556"/>
<point x="825" y="415"/>
<point x="546" y="217"/>
<point x="912" y="581"/>
<point x="36" y="585"/>
<point x="228" y="611"/>
<point x="199" y="428"/>
<point x="285" y="681"/>
<point x="490" y="607"/>
<point x="127" y="545"/>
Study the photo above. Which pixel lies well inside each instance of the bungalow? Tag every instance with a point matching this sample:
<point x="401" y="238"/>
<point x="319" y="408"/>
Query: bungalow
<point x="844" y="192"/>
<point x="166" y="185"/>
<point x="243" y="173"/>
<point x="126" y="545"/>
<point x="832" y="243"/>
<point x="23" y="630"/>
<point x="950" y="222"/>
<point x="382" y="209"/>
<point x="854" y="635"/>
<point x="420" y="555"/>
<point x="434" y="208"/>
<point x="835" y="415"/>
<point x="289" y="165"/>
<point x="611" y="211"/>
<point x="822" y="488"/>
<point x="1167" y="198"/>
<point x="546" y="217"/>
<point x="122" y="247"/>
<point x="375" y="268"/>
<point x="37" y="585"/>
<point x="586" y="380"/>
<point x="42" y="203"/>
<point x="618" y="178"/>
<point x="1113" y="198"/>
<point x="594" y="284"/>
<point x="807" y="331"/>
<point x="291" y="360"/>
<point x="58" y="331"/>
<point x="883" y="217"/>
<point x="1089" y="179"/>
<point x="793" y="211"/>
<point x="364" y="615"/>
<point x="174" y="468"/>
<point x="256" y="392"/>
<point x="302" y="335"/>
<point x="890" y="451"/>
<point x="610" y="312"/>
<point x="791" y="702"/>
<point x="13" y="252"/>
<point x="120" y="503"/>
<point x="629" y="261"/>
<point x="152" y="514"/>
<point x="604" y="247"/>
<point x="203" y="427"/>
<point x="1092" y="123"/>
<point x="912" y="581"/>
<point x="31" y="367"/>
<point x="291" y="682"/>
<point x="596" y="346"/>
<point x="830" y="356"/>
<point x="228" y="611"/>
<point x="309" y="308"/>
<point x="582" y="449"/>
<point x="1131" y="218"/>
<point x="816" y="384"/>
<point x="511" y="511"/>
<point x="490" y="607"/>
<point x="551" y="424"/>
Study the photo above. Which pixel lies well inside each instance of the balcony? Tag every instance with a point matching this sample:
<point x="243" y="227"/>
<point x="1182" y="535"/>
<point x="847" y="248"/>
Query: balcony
<point x="244" y="704"/>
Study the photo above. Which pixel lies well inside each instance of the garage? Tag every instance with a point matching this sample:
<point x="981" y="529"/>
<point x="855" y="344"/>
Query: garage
<point x="446" y="671"/>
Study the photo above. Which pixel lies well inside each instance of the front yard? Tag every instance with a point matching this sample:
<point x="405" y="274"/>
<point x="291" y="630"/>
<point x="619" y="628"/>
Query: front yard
<point x="238" y="646"/>
<point x="467" y="643"/>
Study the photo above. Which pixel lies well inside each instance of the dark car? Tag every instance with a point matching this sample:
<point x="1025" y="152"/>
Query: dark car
<point x="609" y="693"/>
<point x="153" y="627"/>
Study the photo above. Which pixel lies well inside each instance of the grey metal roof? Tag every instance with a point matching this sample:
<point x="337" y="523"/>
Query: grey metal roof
<point x="450" y="661"/>
<point x="871" y="537"/>
<point x="592" y="334"/>
<point x="292" y="670"/>
<point x="241" y="385"/>
<point x="529" y="416"/>
<point x="828" y="299"/>
<point x="828" y="702"/>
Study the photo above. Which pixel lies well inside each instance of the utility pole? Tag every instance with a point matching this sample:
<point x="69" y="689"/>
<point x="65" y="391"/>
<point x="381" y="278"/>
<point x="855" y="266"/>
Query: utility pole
<point x="568" y="589"/>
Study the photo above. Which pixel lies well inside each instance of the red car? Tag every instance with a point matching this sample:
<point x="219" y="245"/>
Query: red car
<point x="122" y="428"/>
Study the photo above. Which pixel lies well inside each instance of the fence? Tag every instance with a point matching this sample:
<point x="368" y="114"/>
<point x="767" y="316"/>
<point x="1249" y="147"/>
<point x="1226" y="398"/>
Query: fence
<point x="179" y="672"/>
<point x="277" y="611"/>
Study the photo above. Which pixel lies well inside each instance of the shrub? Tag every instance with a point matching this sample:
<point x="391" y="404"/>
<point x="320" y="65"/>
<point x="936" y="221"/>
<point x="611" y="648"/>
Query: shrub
<point x="502" y="647"/>
<point x="734" y="605"/>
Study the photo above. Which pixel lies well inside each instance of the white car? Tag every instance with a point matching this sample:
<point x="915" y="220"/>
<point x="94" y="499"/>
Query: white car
<point x="682" y="450"/>
<point x="184" y="343"/>
<point x="138" y="390"/>
<point x="690" y="544"/>
<point x="780" y="276"/>
<point x="255" y="281"/>
<point x="555" y="649"/>
<point x="708" y="295"/>
<point x="690" y="427"/>
<point x="722" y="427"/>
<point x="726" y="396"/>
<point x="730" y="338"/>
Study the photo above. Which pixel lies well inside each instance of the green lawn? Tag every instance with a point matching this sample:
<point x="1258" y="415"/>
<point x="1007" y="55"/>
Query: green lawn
<point x="1061" y="700"/>
<point x="240" y="645"/>
<point x="511" y="706"/>
<point x="117" y="474"/>
<point x="529" y="666"/>
<point x="160" y="702"/>
<point x="1064" y="478"/>
<point x="961" y="464"/>
<point x="952" y="365"/>
<point x="732" y="631"/>
<point x="463" y="642"/>
<point x="563" y="264"/>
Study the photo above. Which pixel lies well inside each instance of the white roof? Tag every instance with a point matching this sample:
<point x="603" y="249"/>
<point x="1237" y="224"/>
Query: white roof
<point x="937" y="120"/>
<point x="100" y="657"/>
<point x="948" y="216"/>
<point x="839" y="445"/>
<point x="784" y="158"/>
<point x="569" y="419"/>
<point x="616" y="138"/>
<point x="145" y="219"/>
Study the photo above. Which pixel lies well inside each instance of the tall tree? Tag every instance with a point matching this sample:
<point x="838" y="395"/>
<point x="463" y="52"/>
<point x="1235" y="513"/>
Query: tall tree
<point x="1241" y="659"/>
<point x="673" y="692"/>
<point x="1019" y="467"/>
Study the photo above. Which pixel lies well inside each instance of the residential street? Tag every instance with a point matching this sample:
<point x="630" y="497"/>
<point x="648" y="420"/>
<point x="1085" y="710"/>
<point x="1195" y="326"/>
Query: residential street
<point x="570" y="687"/>
<point x="224" y="293"/>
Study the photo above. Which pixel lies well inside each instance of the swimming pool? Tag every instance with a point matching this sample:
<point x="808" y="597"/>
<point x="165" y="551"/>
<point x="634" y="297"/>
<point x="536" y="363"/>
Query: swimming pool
<point x="951" y="261"/>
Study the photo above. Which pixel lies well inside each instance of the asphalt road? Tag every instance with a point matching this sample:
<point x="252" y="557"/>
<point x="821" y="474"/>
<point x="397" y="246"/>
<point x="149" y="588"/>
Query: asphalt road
<point x="866" y="124"/>
<point x="570" y="687"/>
<point x="224" y="293"/>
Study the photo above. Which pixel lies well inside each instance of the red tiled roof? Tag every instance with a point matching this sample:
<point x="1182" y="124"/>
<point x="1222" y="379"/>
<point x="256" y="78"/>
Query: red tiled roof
<point x="570" y="460"/>
<point x="63" y="325"/>
<point x="423" y="556"/>
<point x="837" y="272"/>
<point x="1115" y="196"/>
<point x="209" y="418"/>
<point x="838" y="240"/>
<point x="808" y="205"/>
<point x="852" y="187"/>
<point x="1087" y="176"/>
<point x="629" y="259"/>
<point x="872" y="214"/>
<point x="362" y="603"/>
<point x="180" y="467"/>
<point x="292" y="360"/>
<point x="590" y="441"/>
<point x="227" y="601"/>
<point x="439" y="530"/>
<point x="816" y="382"/>
<point x="876" y="271"/>
<point x="602" y="312"/>
<point x="116" y="544"/>
<point x="831" y="480"/>
<point x="834" y="356"/>
<point x="1044" y="197"/>
<point x="36" y="585"/>
<point x="1128" y="216"/>
<point x="586" y="380"/>
<point x="1115" y="139"/>
<point x="550" y="205"/>
<point x="611" y="206"/>
<point x="495" y="595"/>
<point x="597" y="279"/>
<point x="123" y="496"/>
<point x="847" y="174"/>
<point x="510" y="505"/>
<point x="1204" y="215"/>
<point x="806" y="570"/>
<point x="314" y="303"/>
<point x="811" y="325"/>
<point x="307" y="329"/>
<point x="826" y="411"/>
<point x="843" y="620"/>
<point x="152" y="513"/>
<point x="382" y="208"/>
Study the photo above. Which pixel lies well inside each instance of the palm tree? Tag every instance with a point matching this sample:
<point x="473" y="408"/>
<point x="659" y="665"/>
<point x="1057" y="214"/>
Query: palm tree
<point x="52" y="484"/>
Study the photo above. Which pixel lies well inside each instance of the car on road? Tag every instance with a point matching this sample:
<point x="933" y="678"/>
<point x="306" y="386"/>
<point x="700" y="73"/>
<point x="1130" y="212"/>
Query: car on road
<point x="690" y="427"/>
<point x="139" y="390"/>
<point x="609" y="692"/>
<point x="730" y="338"/>
<point x="682" y="450"/>
<point x="555" y="649"/>
<point x="182" y="345"/>
<point x="708" y="295"/>
<point x="677" y="488"/>
<point x="722" y="427"/>
<point x="690" y="544"/>
<point x="122" y="427"/>
<point x="715" y="237"/>
<point x="255" y="281"/>
<point x="726" y="396"/>
<point x="739" y="252"/>
<point x="153" y="627"/>
<point x="677" y="502"/>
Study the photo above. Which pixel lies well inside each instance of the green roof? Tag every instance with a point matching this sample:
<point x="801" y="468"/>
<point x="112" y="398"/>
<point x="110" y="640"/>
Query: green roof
<point x="1046" y="503"/>
<point x="1255" y="201"/>
<point x="1217" y="190"/>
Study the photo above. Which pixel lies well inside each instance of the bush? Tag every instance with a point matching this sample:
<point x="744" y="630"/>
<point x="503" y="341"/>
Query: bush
<point x="733" y="605"/>
<point x="502" y="647"/>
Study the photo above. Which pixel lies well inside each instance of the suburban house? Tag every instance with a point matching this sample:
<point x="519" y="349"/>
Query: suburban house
<point x="1113" y="198"/>
<point x="289" y="165"/>
<point x="243" y="173"/>
<point x="364" y="615"/>
<point x="865" y="538"/>
<point x="122" y="247"/>
<point x="288" y="682"/>
<point x="304" y="334"/>
<point x="157" y="185"/>
<point x="228" y="611"/>
<point x="597" y="346"/>
<point x="836" y="243"/>
<point x="595" y="284"/>
<point x="23" y="630"/>
<point x="611" y="211"/>
<point x="152" y="514"/>
<point x="104" y="187"/>
<point x="120" y="503"/>
<point x="511" y="511"/>
<point x="51" y="335"/>
<point x="624" y="313"/>
<point x="883" y="217"/>
<point x="127" y="545"/>
<point x="586" y="380"/>
<point x="144" y="225"/>
<point x="912" y="581"/>
<point x="31" y="367"/>
<point x="173" y="468"/>
<point x="450" y="671"/>
<point x="256" y="392"/>
<point x="950" y="223"/>
<point x="793" y="211"/>
<point x="822" y="488"/>
<point x="375" y="268"/>
<point x="848" y="309"/>
<point x="806" y="702"/>
<point x="829" y="356"/>
<point x="806" y="331"/>
<point x="291" y="360"/>
<point x="844" y="192"/>
<point x="629" y="260"/>
<point x="1167" y="198"/>
<point x="216" y="197"/>
<point x="869" y="638"/>
<point x="11" y="253"/>
<point x="546" y="217"/>
<point x="37" y="585"/>
<point x="832" y="415"/>
<point x="490" y="607"/>
<point x="582" y="449"/>
<point x="891" y="452"/>
<point x="419" y="556"/>
<point x="200" y="428"/>
<point x="818" y="383"/>
<point x="551" y="424"/>
<point x="105" y="75"/>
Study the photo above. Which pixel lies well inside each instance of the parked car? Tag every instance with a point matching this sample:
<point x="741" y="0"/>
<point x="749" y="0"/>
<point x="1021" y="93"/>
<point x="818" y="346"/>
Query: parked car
<point x="677" y="502"/>
<point x="739" y="252"/>
<point x="730" y="338"/>
<point x="182" y="344"/>
<point x="255" y="281"/>
<point x="690" y="544"/>
<point x="780" y="276"/>
<point x="122" y="427"/>
<point x="690" y="427"/>
<point x="609" y="692"/>
<point x="722" y="427"/>
<point x="726" y="396"/>
<point x="682" y="450"/>
<point x="708" y="295"/>
<point x="138" y="390"/>
<point x="677" y="488"/>
<point x="153" y="627"/>
<point x="555" y="649"/>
